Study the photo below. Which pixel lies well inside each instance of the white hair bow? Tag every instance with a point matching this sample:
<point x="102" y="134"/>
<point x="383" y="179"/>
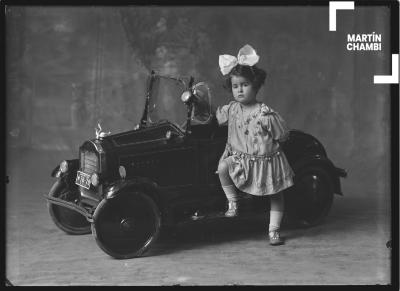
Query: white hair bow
<point x="246" y="56"/>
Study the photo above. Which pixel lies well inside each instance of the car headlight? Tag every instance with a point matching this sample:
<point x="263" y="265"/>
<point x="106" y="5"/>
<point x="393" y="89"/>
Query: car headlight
<point x="95" y="179"/>
<point x="64" y="166"/>
<point x="185" y="97"/>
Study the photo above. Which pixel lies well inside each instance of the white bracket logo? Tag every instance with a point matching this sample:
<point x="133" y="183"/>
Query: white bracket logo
<point x="349" y="5"/>
<point x="390" y="79"/>
<point x="337" y="5"/>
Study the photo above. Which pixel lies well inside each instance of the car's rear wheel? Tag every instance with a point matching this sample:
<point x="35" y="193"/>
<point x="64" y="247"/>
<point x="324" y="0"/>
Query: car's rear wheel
<point x="127" y="225"/>
<point x="310" y="199"/>
<point x="66" y="219"/>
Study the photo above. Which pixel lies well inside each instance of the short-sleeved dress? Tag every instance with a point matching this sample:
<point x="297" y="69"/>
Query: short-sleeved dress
<point x="256" y="163"/>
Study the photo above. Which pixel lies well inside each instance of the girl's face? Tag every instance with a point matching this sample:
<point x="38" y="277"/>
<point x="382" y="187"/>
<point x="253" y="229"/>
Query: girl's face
<point x="243" y="90"/>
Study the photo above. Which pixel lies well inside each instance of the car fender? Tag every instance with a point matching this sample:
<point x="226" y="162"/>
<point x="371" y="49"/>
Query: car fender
<point x="142" y="183"/>
<point x="327" y="164"/>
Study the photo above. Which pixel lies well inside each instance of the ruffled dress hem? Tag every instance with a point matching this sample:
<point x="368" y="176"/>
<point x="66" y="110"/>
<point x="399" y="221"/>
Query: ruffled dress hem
<point x="259" y="175"/>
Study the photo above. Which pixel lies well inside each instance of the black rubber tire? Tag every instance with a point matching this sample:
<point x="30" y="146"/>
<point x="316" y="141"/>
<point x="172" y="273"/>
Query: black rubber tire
<point x="66" y="219"/>
<point x="127" y="225"/>
<point x="310" y="199"/>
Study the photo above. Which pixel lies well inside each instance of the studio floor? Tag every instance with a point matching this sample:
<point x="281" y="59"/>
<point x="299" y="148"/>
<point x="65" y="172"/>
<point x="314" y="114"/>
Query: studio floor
<point x="348" y="248"/>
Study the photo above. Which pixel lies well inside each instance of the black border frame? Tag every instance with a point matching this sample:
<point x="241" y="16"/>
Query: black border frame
<point x="394" y="103"/>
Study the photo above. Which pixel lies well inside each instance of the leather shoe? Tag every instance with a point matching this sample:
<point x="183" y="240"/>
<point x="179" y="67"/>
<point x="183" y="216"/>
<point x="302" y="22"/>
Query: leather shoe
<point x="232" y="209"/>
<point x="275" y="238"/>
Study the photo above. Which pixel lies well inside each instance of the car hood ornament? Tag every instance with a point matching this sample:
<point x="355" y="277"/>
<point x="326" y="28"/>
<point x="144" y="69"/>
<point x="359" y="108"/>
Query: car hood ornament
<point x="99" y="133"/>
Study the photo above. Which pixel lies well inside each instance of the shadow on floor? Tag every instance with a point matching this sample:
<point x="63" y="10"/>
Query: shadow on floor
<point x="347" y="216"/>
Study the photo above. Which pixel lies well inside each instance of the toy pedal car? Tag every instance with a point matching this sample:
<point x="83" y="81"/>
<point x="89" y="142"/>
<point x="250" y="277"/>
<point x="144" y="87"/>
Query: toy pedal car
<point x="125" y="187"/>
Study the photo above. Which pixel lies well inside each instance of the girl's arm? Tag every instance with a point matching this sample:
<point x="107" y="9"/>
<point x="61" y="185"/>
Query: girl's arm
<point x="222" y="114"/>
<point x="272" y="122"/>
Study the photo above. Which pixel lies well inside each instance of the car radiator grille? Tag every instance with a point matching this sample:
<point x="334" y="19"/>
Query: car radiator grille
<point x="89" y="162"/>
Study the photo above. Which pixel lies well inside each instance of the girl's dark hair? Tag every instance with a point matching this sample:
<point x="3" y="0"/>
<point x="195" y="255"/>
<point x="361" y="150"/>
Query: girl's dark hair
<point x="255" y="75"/>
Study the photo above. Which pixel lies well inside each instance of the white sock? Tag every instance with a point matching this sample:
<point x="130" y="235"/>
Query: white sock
<point x="275" y="218"/>
<point x="230" y="192"/>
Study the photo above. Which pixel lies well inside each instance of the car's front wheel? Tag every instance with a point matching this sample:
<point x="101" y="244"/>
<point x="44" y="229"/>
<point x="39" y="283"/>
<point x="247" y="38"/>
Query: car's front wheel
<point x="126" y="225"/>
<point x="66" y="219"/>
<point x="311" y="197"/>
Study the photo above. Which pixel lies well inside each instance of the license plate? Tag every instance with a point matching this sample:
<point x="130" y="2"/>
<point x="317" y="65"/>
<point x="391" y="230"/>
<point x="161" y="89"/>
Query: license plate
<point x="83" y="180"/>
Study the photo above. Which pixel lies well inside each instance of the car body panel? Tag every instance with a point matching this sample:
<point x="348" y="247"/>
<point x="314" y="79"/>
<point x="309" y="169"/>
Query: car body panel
<point x="182" y="169"/>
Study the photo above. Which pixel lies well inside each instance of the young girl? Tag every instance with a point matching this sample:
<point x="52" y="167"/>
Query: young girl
<point x="252" y="161"/>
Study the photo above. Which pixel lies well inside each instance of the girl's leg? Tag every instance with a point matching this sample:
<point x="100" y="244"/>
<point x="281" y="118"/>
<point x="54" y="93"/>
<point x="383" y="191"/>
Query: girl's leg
<point x="275" y="218"/>
<point x="229" y="188"/>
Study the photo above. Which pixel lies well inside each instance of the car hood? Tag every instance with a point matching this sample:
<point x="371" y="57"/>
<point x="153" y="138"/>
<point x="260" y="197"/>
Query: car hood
<point x="144" y="136"/>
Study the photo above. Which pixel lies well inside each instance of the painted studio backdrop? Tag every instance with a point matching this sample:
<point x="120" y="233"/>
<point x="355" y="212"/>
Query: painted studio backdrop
<point x="70" y="67"/>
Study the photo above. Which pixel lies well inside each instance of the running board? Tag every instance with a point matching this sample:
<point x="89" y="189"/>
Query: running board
<point x="70" y="205"/>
